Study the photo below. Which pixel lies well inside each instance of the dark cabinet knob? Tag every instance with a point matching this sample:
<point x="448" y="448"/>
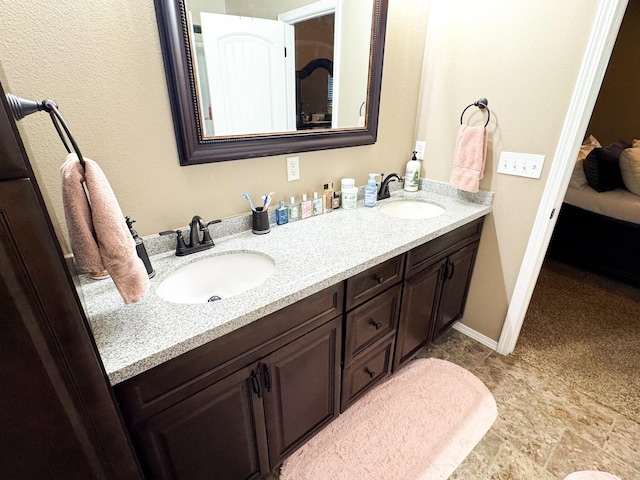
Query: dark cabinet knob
<point x="376" y="325"/>
<point x="370" y="373"/>
<point x="379" y="279"/>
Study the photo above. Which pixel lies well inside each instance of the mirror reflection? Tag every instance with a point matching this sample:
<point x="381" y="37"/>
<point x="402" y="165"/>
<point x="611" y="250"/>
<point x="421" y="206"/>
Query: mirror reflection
<point x="280" y="66"/>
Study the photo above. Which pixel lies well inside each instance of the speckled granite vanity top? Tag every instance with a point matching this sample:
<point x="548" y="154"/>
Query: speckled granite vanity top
<point x="310" y="255"/>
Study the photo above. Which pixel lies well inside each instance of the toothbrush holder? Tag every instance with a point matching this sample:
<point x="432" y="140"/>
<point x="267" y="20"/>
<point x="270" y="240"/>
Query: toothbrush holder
<point x="260" y="221"/>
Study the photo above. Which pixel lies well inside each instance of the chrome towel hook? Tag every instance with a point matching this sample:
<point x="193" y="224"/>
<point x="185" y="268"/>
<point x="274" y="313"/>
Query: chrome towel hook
<point x="482" y="104"/>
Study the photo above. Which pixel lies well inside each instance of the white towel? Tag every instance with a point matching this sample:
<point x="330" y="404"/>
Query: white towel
<point x="100" y="238"/>
<point x="469" y="158"/>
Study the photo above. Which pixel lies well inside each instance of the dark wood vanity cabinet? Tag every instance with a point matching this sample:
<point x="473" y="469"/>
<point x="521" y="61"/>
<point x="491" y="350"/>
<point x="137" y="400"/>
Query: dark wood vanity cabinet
<point x="236" y="407"/>
<point x="437" y="279"/>
<point x="258" y="394"/>
<point x="370" y="327"/>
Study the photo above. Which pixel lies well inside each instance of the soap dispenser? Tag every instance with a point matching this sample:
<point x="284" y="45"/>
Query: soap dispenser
<point x="412" y="174"/>
<point x="371" y="191"/>
<point x="140" y="248"/>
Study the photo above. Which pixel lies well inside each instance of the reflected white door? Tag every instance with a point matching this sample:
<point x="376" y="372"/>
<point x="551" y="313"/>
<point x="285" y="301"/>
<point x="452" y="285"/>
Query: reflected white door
<point x="247" y="67"/>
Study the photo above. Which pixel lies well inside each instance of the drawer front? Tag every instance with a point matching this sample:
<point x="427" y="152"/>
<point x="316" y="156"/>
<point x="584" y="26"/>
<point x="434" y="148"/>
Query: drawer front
<point x="371" y="321"/>
<point x="158" y="388"/>
<point x="371" y="282"/>
<point x="421" y="257"/>
<point x="367" y="372"/>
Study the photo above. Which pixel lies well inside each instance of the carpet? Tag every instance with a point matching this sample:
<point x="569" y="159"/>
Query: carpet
<point x="585" y="329"/>
<point x="419" y="424"/>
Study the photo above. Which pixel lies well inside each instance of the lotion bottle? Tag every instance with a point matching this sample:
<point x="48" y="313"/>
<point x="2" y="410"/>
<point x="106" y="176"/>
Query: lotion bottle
<point x="327" y="198"/>
<point x="282" y="214"/>
<point x="306" y="207"/>
<point x="317" y="204"/>
<point x="371" y="191"/>
<point x="412" y="174"/>
<point x="294" y="210"/>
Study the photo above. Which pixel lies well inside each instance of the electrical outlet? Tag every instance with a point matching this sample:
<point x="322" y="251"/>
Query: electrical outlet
<point x="293" y="169"/>
<point x="419" y="149"/>
<point x="521" y="164"/>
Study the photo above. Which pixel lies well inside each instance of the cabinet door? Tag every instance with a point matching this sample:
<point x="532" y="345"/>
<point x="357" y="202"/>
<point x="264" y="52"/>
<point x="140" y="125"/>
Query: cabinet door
<point x="419" y="306"/>
<point x="216" y="433"/>
<point x="302" y="388"/>
<point x="455" y="288"/>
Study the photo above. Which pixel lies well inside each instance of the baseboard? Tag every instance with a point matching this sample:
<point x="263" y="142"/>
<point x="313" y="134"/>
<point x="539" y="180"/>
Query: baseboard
<point x="478" y="337"/>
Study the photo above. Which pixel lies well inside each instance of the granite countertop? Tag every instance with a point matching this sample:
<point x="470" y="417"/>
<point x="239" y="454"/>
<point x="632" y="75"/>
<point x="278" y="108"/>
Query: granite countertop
<point x="309" y="255"/>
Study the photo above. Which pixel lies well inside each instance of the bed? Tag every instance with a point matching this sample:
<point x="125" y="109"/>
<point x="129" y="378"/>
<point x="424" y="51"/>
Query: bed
<point x="600" y="230"/>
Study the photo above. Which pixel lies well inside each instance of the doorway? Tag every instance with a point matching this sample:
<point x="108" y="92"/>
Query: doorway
<point x="597" y="55"/>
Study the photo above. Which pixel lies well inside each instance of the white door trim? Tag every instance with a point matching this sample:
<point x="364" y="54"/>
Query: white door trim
<point x="594" y="65"/>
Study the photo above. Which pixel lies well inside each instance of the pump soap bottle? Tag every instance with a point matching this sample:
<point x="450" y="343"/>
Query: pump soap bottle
<point x="371" y="191"/>
<point x="140" y="248"/>
<point x="412" y="174"/>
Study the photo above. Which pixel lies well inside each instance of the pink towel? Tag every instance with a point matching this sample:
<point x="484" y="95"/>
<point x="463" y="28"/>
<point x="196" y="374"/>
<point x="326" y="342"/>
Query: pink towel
<point x="98" y="232"/>
<point x="469" y="158"/>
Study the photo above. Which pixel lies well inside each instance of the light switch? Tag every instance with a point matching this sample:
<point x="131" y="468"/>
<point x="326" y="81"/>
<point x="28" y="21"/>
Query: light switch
<point x="521" y="164"/>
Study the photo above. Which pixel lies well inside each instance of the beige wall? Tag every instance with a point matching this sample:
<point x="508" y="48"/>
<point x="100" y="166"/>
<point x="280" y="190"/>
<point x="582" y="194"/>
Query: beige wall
<point x="102" y="64"/>
<point x="616" y="115"/>
<point x="524" y="57"/>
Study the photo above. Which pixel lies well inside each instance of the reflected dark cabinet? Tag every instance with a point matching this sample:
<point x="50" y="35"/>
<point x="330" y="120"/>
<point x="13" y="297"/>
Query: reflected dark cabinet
<point x="436" y="285"/>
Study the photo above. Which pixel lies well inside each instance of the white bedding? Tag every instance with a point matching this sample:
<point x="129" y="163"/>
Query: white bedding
<point x="619" y="203"/>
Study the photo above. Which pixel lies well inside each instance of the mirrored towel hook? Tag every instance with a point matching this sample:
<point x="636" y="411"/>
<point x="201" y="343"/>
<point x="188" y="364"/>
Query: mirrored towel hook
<point x="482" y="104"/>
<point x="21" y="107"/>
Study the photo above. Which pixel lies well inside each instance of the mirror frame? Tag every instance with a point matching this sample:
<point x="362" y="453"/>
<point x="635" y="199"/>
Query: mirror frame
<point x="193" y="149"/>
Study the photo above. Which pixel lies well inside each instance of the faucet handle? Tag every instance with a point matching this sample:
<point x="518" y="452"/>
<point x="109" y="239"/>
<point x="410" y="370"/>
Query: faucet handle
<point x="180" y="245"/>
<point x="206" y="236"/>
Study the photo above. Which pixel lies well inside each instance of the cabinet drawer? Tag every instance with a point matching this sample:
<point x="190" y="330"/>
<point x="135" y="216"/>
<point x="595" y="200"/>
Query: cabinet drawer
<point x="369" y="283"/>
<point x="421" y="257"/>
<point x="156" y="389"/>
<point x="370" y="322"/>
<point x="367" y="372"/>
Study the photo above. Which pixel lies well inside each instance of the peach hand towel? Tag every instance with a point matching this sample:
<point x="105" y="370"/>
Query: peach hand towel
<point x="469" y="158"/>
<point x="98" y="232"/>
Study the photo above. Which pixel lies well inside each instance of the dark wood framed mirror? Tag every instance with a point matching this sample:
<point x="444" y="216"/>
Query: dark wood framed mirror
<point x="197" y="146"/>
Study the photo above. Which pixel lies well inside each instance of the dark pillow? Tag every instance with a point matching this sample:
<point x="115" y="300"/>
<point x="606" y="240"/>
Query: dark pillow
<point x="602" y="167"/>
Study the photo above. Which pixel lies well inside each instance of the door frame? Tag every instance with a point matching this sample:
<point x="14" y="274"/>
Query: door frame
<point x="594" y="65"/>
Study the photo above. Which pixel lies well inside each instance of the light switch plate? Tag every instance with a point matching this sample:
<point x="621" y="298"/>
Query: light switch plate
<point x="521" y="164"/>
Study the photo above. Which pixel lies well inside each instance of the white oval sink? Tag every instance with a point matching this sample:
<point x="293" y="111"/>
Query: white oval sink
<point x="216" y="278"/>
<point x="412" y="209"/>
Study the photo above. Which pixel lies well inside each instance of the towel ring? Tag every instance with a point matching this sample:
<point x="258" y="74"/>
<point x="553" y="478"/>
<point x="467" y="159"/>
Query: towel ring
<point x="21" y="107"/>
<point x="482" y="105"/>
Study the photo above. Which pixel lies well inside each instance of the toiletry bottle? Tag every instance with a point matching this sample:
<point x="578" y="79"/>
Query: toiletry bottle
<point x="317" y="204"/>
<point x="371" y="191"/>
<point x="412" y="174"/>
<point x="306" y="207"/>
<point x="349" y="193"/>
<point x="140" y="248"/>
<point x="282" y="214"/>
<point x="327" y="200"/>
<point x="294" y="210"/>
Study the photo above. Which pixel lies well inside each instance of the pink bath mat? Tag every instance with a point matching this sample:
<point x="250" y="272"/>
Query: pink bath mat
<point x="420" y="424"/>
<point x="591" y="475"/>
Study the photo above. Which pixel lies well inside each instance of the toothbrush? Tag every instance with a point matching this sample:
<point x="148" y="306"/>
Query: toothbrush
<point x="248" y="199"/>
<point x="267" y="199"/>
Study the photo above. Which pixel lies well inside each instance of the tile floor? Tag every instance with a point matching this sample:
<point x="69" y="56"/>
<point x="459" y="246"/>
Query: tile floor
<point x="545" y="429"/>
